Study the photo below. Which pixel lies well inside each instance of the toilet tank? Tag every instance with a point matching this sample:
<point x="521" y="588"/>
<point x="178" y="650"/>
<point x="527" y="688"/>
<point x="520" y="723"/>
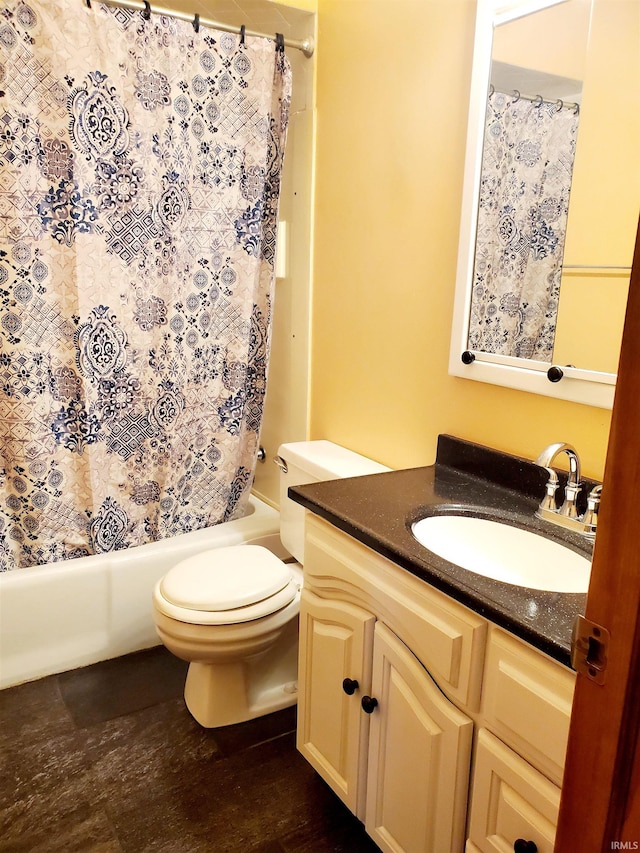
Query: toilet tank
<point x="312" y="462"/>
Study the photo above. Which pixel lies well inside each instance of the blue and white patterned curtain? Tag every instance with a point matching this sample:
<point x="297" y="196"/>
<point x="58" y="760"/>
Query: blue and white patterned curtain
<point x="140" y="167"/>
<point x="527" y="165"/>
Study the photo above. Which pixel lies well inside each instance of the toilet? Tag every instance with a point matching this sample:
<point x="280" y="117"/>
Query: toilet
<point x="232" y="612"/>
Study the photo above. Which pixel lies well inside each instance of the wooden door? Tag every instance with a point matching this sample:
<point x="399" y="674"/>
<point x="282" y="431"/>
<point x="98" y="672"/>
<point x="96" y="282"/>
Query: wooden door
<point x="600" y="805"/>
<point x="336" y="642"/>
<point x="419" y="756"/>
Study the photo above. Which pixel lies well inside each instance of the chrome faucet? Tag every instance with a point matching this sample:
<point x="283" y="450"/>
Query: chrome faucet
<point x="567" y="514"/>
<point x="568" y="508"/>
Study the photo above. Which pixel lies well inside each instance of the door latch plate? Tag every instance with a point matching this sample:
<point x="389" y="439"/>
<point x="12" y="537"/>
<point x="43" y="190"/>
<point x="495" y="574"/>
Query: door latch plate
<point x="590" y="649"/>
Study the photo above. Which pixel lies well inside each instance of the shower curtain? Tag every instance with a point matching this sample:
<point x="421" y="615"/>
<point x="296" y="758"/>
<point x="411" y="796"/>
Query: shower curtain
<point x="527" y="164"/>
<point x="140" y="166"/>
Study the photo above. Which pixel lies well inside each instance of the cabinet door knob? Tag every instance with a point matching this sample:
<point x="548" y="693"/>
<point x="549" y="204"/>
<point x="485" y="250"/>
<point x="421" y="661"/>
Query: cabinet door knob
<point x="350" y="685"/>
<point x="522" y="846"/>
<point x="369" y="704"/>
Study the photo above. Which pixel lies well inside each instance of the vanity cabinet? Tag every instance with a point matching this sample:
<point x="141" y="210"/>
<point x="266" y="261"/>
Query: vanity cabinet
<point x="435" y="727"/>
<point x="370" y="719"/>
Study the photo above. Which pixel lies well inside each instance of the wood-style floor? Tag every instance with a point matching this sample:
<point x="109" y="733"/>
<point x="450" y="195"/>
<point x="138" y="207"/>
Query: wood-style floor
<point x="107" y="759"/>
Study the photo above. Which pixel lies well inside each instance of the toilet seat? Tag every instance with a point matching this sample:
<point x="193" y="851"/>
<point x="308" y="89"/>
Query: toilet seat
<point x="226" y="586"/>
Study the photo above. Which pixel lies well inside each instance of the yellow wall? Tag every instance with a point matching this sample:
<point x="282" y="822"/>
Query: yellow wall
<point x="392" y="96"/>
<point x="585" y="337"/>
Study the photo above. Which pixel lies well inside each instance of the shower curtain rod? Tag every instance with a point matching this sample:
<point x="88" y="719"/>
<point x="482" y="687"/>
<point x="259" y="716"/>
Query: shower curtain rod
<point x="306" y="45"/>
<point x="536" y="99"/>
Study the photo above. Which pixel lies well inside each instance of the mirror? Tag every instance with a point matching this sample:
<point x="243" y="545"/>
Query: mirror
<point x="545" y="256"/>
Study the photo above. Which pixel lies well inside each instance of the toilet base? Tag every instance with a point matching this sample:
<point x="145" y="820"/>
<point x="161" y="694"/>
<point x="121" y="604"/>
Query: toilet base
<point x="223" y="693"/>
<point x="220" y="698"/>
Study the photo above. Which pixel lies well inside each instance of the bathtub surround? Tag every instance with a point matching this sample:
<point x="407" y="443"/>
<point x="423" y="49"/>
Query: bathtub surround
<point x="107" y="758"/>
<point x="141" y="166"/>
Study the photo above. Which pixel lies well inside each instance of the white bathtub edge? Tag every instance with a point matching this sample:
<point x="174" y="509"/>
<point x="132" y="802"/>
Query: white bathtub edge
<point x="70" y="614"/>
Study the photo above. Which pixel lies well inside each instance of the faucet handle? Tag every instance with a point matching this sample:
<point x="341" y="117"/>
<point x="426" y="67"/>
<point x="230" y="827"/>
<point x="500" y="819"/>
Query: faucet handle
<point x="569" y="508"/>
<point x="549" y="499"/>
<point x="590" y="519"/>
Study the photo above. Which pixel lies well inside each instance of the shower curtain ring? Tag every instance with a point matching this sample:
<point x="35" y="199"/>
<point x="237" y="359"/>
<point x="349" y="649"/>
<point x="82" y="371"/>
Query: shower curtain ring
<point x="517" y="96"/>
<point x="242" y="32"/>
<point x="559" y="104"/>
<point x="196" y="23"/>
<point x="538" y="101"/>
<point x="146" y="13"/>
<point x="279" y="42"/>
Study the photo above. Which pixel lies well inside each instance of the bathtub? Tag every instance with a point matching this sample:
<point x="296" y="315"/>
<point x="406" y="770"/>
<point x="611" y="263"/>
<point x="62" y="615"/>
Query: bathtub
<point x="76" y="612"/>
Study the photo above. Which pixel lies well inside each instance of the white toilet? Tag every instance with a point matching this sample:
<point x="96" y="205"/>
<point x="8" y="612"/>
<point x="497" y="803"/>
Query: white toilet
<point x="233" y="612"/>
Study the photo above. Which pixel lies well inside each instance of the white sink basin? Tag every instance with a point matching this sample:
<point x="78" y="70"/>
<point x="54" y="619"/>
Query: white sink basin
<point x="504" y="553"/>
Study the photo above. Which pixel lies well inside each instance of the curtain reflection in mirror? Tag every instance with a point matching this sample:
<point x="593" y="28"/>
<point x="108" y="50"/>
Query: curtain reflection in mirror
<point x="528" y="155"/>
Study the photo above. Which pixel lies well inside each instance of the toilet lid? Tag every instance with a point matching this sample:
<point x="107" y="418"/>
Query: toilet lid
<point x="225" y="578"/>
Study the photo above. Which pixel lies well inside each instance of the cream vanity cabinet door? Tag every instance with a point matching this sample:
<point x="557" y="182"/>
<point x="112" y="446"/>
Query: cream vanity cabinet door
<point x="511" y="801"/>
<point x="336" y="642"/>
<point x="419" y="756"/>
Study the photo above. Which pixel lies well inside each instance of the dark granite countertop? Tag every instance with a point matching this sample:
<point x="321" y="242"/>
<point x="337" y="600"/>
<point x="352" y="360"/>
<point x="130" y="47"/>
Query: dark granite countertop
<point x="378" y="510"/>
